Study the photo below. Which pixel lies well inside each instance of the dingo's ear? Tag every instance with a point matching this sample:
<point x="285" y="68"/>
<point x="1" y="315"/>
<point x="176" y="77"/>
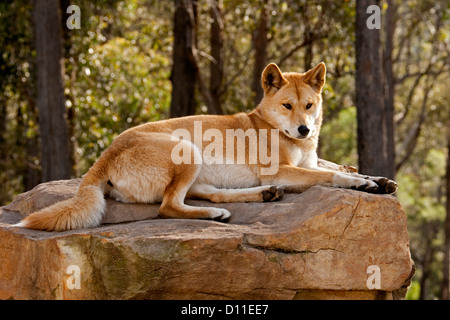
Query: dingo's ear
<point x="316" y="77"/>
<point x="272" y="79"/>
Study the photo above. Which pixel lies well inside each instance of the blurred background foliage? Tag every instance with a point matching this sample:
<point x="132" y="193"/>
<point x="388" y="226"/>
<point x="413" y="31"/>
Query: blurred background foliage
<point x="118" y="69"/>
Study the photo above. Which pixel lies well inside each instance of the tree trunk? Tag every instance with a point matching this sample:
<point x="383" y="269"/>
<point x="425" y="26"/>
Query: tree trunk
<point x="71" y="116"/>
<point x="184" y="69"/>
<point x="260" y="43"/>
<point x="55" y="158"/>
<point x="429" y="232"/>
<point x="3" y="117"/>
<point x="369" y="95"/>
<point x="446" y="268"/>
<point x="426" y="272"/>
<point x="216" y="66"/>
<point x="389" y="87"/>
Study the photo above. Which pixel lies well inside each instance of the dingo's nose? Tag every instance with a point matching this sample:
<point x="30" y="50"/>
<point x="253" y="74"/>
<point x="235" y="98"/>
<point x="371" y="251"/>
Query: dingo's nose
<point x="303" y="130"/>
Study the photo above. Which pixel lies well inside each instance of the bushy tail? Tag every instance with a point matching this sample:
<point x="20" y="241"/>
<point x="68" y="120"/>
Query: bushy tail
<point x="84" y="210"/>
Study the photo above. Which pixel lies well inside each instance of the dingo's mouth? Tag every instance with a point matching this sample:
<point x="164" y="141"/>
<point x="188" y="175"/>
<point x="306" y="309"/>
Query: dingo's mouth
<point x="298" y="136"/>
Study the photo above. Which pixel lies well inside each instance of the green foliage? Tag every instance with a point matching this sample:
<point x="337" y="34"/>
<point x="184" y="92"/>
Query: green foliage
<point x="118" y="73"/>
<point x="413" y="291"/>
<point x="338" y="138"/>
<point x="17" y="114"/>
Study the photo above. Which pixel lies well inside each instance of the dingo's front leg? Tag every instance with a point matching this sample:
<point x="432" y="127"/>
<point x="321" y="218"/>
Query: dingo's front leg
<point x="254" y="194"/>
<point x="328" y="165"/>
<point x="385" y="185"/>
<point x="296" y="179"/>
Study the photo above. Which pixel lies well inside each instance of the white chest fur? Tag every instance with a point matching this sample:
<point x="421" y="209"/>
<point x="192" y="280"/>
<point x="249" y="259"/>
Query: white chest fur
<point x="304" y="159"/>
<point x="296" y="155"/>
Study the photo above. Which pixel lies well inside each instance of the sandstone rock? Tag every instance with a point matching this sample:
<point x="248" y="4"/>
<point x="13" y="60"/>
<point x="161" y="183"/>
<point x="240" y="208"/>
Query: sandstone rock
<point x="315" y="245"/>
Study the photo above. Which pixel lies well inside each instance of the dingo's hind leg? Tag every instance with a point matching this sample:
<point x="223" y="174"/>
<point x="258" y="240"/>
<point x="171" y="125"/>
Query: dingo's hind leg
<point x="254" y="194"/>
<point x="183" y="176"/>
<point x="173" y="205"/>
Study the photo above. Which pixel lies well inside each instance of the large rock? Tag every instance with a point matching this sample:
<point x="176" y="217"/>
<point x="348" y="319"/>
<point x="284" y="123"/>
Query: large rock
<point x="322" y="244"/>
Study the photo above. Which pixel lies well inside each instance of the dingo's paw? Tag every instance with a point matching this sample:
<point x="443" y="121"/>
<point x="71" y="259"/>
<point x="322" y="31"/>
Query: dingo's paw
<point x="380" y="185"/>
<point x="220" y="214"/>
<point x="385" y="185"/>
<point x="274" y="193"/>
<point x="367" y="186"/>
<point x="343" y="180"/>
<point x="349" y="169"/>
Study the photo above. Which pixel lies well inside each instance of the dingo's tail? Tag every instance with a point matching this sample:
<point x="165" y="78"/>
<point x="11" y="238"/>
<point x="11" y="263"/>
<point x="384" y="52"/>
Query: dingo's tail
<point x="84" y="210"/>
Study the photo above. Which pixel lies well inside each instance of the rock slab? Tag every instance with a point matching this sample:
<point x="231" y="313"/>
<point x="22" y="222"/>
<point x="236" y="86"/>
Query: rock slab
<point x="325" y="243"/>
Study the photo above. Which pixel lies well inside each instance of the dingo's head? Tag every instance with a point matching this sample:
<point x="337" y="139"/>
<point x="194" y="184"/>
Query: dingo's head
<point x="292" y="101"/>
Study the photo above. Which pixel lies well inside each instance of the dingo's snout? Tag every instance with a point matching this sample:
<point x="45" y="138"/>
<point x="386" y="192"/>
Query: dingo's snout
<point x="303" y="130"/>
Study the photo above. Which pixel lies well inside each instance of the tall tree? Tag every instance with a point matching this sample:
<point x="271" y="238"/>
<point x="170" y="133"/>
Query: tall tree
<point x="369" y="95"/>
<point x="71" y="117"/>
<point x="55" y="158"/>
<point x="216" y="65"/>
<point x="260" y="43"/>
<point x="211" y="95"/>
<point x="389" y="86"/>
<point x="446" y="269"/>
<point x="184" y="70"/>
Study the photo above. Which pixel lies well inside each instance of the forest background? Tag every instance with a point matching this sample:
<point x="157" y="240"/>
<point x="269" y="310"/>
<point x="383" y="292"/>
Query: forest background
<point x="67" y="92"/>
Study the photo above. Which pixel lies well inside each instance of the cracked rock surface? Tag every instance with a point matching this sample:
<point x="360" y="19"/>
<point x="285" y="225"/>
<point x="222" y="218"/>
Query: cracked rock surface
<point x="314" y="245"/>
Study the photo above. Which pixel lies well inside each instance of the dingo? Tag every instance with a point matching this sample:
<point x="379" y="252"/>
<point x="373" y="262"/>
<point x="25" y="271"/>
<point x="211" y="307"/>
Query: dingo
<point x="138" y="166"/>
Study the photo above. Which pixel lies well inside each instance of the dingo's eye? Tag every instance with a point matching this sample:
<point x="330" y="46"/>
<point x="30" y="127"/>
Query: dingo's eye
<point x="309" y="105"/>
<point x="287" y="106"/>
